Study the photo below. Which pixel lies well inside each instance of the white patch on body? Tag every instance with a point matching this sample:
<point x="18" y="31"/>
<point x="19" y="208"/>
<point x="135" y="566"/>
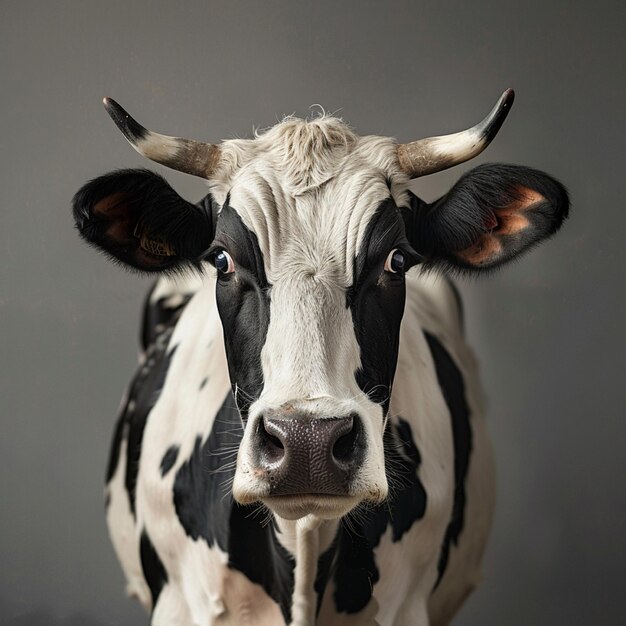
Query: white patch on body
<point x="123" y="531"/>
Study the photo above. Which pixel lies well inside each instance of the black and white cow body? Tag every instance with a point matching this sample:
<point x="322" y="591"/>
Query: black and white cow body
<point x="303" y="442"/>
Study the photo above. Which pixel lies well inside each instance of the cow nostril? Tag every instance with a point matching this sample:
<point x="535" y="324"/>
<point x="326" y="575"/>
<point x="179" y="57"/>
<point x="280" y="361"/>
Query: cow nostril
<point x="272" y="446"/>
<point x="275" y="441"/>
<point x="345" y="445"/>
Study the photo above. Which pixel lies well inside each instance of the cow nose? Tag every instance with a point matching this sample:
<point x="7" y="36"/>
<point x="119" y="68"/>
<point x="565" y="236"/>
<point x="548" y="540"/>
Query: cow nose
<point x="309" y="455"/>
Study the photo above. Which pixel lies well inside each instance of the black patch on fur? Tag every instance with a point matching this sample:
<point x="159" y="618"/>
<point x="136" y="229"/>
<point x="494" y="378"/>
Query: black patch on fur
<point x="111" y="210"/>
<point x="453" y="389"/>
<point x="324" y="571"/>
<point x="376" y="300"/>
<point x="206" y="510"/>
<point x="354" y="568"/>
<point x="243" y="303"/>
<point x="152" y="567"/>
<point x="169" y="458"/>
<point x="144" y="392"/>
<point x="114" y="452"/>
<point x="205" y="380"/>
<point x="458" y="300"/>
<point x="468" y="211"/>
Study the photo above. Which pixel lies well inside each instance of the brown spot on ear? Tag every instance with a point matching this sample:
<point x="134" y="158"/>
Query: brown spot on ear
<point x="511" y="220"/>
<point x="511" y="223"/>
<point x="526" y="198"/>
<point x="482" y="252"/>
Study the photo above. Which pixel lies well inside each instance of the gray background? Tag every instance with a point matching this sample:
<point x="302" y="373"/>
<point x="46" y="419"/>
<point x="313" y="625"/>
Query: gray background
<point x="549" y="329"/>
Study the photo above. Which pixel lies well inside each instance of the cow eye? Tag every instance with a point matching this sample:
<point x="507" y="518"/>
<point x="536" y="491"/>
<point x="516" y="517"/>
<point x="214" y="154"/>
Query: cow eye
<point x="395" y="262"/>
<point x="223" y="262"/>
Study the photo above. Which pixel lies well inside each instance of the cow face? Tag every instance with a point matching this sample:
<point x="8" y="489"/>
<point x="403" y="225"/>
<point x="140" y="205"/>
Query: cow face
<point x="310" y="288"/>
<point x="311" y="230"/>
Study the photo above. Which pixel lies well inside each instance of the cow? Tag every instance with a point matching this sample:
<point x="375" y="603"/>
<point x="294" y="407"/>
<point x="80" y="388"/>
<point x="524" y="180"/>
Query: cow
<point x="304" y="442"/>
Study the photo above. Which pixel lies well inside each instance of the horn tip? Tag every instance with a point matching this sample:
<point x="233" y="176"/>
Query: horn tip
<point x="110" y="105"/>
<point x="132" y="130"/>
<point x="508" y="97"/>
<point x="493" y="122"/>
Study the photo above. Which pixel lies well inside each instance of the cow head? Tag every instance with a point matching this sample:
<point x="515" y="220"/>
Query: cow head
<point x="311" y="230"/>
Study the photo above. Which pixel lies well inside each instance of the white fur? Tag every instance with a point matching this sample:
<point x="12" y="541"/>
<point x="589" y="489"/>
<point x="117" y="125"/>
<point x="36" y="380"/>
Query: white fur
<point x="124" y="533"/>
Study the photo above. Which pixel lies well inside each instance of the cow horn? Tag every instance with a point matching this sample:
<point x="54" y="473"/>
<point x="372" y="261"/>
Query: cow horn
<point x="433" y="154"/>
<point x="185" y="155"/>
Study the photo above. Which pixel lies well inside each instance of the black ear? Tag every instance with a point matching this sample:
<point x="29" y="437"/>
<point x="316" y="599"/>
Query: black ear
<point x="493" y="214"/>
<point x="138" y="219"/>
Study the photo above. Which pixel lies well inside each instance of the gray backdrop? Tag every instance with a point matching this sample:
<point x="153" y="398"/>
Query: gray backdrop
<point x="548" y="329"/>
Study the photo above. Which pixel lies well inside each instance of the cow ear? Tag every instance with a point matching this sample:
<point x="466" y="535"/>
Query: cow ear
<point x="493" y="214"/>
<point x="135" y="217"/>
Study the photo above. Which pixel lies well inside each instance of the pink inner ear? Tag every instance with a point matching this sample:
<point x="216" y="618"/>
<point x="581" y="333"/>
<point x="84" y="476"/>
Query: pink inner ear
<point x="509" y="220"/>
<point x="527" y="198"/>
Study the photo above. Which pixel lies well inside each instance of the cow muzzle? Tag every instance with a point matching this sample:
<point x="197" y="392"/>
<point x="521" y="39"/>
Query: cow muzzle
<point x="301" y="455"/>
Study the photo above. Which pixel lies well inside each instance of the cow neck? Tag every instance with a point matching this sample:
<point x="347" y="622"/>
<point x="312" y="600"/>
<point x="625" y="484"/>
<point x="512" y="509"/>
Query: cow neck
<point x="306" y="538"/>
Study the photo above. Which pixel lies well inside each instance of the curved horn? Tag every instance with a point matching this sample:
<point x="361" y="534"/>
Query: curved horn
<point x="185" y="155"/>
<point x="434" y="154"/>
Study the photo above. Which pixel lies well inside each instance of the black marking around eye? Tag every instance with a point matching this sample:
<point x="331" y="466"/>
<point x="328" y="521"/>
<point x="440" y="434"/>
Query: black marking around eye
<point x="243" y="303"/>
<point x="377" y="300"/>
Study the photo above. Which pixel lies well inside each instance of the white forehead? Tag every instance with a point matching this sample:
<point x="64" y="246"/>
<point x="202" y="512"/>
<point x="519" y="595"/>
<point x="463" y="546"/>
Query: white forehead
<point x="308" y="189"/>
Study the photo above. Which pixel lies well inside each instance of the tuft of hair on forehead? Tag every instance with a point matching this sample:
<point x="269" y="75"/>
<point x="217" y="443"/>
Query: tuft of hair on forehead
<point x="318" y="133"/>
<point x="306" y="152"/>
